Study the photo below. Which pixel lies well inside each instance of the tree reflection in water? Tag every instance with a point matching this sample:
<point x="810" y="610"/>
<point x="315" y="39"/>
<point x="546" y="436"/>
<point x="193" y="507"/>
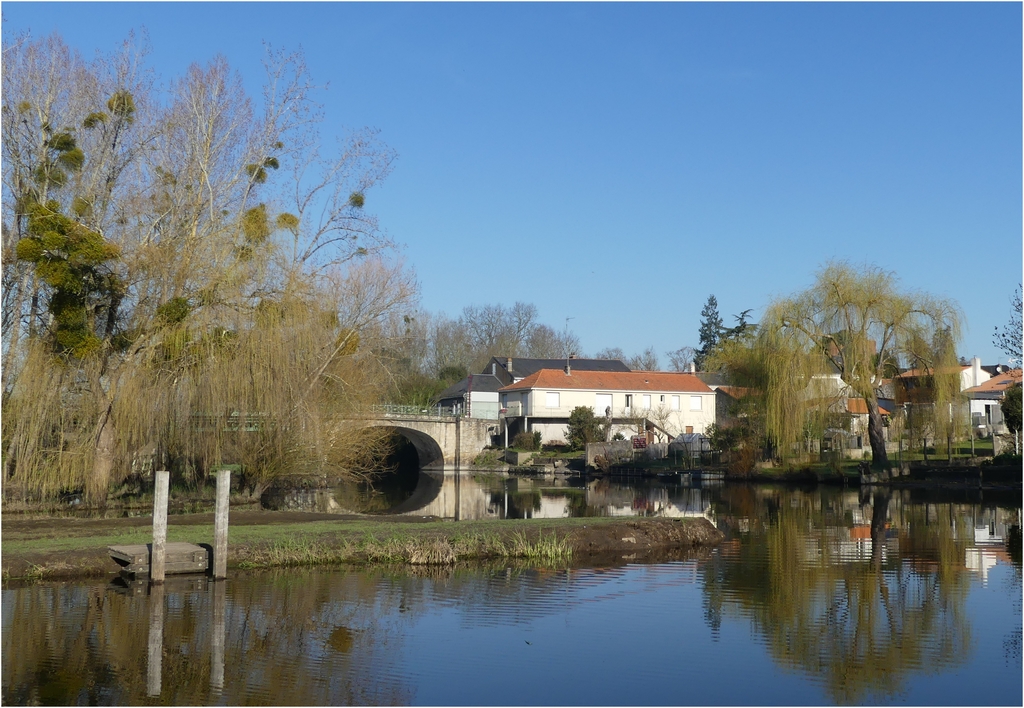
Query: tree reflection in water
<point x="271" y="627"/>
<point x="859" y="595"/>
<point x="860" y="607"/>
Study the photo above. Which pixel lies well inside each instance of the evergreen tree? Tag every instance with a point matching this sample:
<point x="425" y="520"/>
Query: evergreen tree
<point x="710" y="331"/>
<point x="584" y="427"/>
<point x="1011" y="407"/>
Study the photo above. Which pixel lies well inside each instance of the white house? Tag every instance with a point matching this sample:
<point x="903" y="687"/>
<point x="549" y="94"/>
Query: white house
<point x="670" y="403"/>
<point x="971" y="375"/>
<point x="476" y="396"/>
<point x="985" y="401"/>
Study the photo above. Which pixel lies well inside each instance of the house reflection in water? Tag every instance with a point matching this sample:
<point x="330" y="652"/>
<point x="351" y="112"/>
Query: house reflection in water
<point x="471" y="497"/>
<point x="991" y="529"/>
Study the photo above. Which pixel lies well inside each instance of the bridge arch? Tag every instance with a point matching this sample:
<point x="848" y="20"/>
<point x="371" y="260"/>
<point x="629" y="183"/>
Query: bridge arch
<point x="442" y="443"/>
<point x="429" y="452"/>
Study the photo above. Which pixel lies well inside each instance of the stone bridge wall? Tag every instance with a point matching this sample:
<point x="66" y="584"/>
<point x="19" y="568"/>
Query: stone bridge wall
<point x="442" y="443"/>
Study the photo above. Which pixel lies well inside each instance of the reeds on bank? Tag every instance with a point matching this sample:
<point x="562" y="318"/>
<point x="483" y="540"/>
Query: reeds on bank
<point x="423" y="550"/>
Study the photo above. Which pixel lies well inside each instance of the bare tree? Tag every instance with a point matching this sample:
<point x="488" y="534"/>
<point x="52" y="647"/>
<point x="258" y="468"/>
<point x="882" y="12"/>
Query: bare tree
<point x="647" y="360"/>
<point x="498" y="330"/>
<point x="543" y="342"/>
<point x="160" y="276"/>
<point x="662" y="417"/>
<point x="451" y="347"/>
<point x="611" y="353"/>
<point x="1009" y="338"/>
<point x="681" y="359"/>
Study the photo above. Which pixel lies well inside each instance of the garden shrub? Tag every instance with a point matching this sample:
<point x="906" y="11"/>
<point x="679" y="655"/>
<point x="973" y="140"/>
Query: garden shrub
<point x="526" y="440"/>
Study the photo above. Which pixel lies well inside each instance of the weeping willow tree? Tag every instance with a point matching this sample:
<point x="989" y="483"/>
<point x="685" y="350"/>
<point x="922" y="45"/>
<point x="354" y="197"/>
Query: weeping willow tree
<point x="841" y="339"/>
<point x="189" y="274"/>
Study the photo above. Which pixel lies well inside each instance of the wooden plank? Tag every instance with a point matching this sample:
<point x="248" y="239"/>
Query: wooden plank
<point x="179" y="557"/>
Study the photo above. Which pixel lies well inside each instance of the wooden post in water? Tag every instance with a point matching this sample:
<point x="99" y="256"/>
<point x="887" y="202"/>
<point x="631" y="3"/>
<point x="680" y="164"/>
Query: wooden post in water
<point x="220" y="525"/>
<point x="155" y="655"/>
<point x="217" y="644"/>
<point x="158" y="556"/>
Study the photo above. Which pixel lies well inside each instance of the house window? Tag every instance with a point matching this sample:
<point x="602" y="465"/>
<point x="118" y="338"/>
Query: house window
<point x="647" y="401"/>
<point x="661" y="398"/>
<point x="675" y="403"/>
<point x="603" y="405"/>
<point x="629" y="401"/>
<point x="695" y="403"/>
<point x="551" y="399"/>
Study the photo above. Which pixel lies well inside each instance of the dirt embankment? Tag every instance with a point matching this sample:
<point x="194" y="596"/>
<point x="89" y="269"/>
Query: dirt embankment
<point x="641" y="539"/>
<point x="77" y="547"/>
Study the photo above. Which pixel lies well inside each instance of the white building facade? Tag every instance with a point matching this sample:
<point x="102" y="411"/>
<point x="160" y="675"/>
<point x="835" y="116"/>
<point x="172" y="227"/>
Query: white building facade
<point x="668" y="403"/>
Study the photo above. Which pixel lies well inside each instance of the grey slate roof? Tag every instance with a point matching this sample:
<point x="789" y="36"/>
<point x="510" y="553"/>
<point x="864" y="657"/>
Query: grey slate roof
<point x="523" y="367"/>
<point x="481" y="382"/>
<point x="712" y="378"/>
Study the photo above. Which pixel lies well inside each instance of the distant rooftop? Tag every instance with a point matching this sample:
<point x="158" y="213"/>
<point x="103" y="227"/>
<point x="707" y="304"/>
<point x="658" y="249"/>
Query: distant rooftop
<point x="522" y="367"/>
<point x="611" y="381"/>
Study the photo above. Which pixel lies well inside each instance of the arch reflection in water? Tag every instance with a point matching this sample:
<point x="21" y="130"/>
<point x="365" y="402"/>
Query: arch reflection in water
<point x="473" y="495"/>
<point x="476" y="495"/>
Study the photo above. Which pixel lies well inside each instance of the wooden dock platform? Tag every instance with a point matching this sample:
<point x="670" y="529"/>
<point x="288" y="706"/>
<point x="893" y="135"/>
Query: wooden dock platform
<point x="181" y="558"/>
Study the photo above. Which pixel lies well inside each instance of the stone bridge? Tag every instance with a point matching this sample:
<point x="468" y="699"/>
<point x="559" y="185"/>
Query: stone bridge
<point x="443" y="442"/>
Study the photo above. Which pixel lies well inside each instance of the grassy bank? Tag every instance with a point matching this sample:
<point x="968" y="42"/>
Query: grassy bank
<point x="412" y="549"/>
<point x="50" y="548"/>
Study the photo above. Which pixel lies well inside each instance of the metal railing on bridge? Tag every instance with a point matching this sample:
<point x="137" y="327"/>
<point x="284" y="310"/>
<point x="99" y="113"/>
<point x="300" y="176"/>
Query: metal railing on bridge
<point x="388" y="410"/>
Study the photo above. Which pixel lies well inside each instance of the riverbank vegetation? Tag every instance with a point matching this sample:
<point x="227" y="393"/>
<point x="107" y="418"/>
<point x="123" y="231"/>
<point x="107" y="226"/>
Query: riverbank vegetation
<point x="843" y="337"/>
<point x="36" y="548"/>
<point x="412" y="550"/>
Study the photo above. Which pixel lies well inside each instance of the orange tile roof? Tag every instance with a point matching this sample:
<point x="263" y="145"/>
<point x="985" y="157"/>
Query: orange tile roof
<point x="736" y="391"/>
<point x="914" y="373"/>
<point x="998" y="383"/>
<point x="611" y="381"/>
<point x="857" y="406"/>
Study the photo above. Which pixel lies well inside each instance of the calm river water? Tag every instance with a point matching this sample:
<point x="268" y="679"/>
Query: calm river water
<point x="798" y="606"/>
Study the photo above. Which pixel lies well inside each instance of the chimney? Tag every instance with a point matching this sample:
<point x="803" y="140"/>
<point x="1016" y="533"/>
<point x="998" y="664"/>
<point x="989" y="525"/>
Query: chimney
<point x="693" y="368"/>
<point x="508" y="365"/>
<point x="975" y="371"/>
<point x="568" y="371"/>
<point x="494" y="368"/>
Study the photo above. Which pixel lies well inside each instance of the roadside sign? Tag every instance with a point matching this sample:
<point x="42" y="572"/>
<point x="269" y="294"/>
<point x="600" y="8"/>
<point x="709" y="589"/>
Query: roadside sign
<point x="639" y="442"/>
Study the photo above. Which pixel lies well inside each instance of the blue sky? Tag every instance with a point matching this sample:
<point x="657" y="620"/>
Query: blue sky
<point x="617" y="163"/>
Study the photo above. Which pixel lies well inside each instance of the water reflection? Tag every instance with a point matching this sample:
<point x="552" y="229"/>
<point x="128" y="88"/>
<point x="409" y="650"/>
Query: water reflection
<point x="217" y="639"/>
<point x="858" y="591"/>
<point x="824" y="596"/>
<point x="481" y="495"/>
<point x="155" y="653"/>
